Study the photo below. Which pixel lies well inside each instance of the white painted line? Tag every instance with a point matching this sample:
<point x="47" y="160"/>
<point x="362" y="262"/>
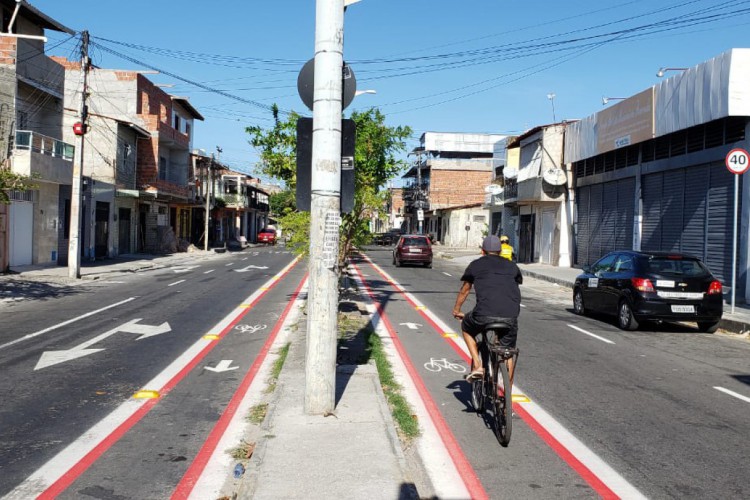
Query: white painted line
<point x="176" y="283"/>
<point x="522" y="305"/>
<point x="230" y="264"/>
<point x="64" y="323"/>
<point x="610" y="477"/>
<point x="209" y="271"/>
<point x="732" y="393"/>
<point x="245" y="258"/>
<point x="591" y="334"/>
<point x="447" y="274"/>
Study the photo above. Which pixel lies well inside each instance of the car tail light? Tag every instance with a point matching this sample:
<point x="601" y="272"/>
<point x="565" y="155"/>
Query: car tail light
<point x="714" y="288"/>
<point x="642" y="284"/>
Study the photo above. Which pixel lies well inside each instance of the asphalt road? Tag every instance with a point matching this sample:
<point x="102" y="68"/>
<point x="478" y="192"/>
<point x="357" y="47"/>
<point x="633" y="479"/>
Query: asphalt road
<point x="59" y="379"/>
<point x="644" y="403"/>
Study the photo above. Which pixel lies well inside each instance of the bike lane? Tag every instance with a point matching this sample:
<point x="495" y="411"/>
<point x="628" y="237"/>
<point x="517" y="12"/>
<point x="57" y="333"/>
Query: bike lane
<point x="166" y="431"/>
<point x="435" y="361"/>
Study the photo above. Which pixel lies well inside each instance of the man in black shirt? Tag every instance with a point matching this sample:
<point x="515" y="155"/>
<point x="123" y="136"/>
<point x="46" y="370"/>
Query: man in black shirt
<point x="495" y="281"/>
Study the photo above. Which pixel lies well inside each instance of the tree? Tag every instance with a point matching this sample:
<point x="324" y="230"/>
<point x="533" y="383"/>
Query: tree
<point x="277" y="147"/>
<point x="11" y="181"/>
<point x="375" y="163"/>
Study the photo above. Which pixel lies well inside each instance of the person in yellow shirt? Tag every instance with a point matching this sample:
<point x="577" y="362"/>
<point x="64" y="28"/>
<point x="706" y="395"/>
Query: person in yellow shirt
<point x="506" y="250"/>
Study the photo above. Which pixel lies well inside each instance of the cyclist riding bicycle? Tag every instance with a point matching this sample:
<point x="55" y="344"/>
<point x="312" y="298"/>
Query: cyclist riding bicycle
<point x="495" y="280"/>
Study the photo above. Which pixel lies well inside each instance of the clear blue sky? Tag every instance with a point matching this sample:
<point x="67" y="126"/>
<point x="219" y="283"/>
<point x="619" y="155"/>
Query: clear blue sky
<point x="453" y="66"/>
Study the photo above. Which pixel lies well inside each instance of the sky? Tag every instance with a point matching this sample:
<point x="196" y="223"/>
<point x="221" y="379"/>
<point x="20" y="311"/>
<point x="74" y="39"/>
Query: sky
<point x="474" y="66"/>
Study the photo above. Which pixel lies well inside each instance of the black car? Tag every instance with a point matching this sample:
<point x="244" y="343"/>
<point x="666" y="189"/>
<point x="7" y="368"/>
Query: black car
<point x="640" y="286"/>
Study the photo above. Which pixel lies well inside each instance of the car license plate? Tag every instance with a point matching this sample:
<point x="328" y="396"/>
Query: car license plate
<point x="683" y="309"/>
<point x="415" y="250"/>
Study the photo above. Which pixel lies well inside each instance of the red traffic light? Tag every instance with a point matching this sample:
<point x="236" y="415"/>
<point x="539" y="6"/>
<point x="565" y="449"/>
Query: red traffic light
<point x="79" y="128"/>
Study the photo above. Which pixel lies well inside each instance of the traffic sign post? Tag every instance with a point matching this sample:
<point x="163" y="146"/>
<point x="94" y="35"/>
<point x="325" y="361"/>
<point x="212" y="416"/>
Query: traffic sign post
<point x="737" y="162"/>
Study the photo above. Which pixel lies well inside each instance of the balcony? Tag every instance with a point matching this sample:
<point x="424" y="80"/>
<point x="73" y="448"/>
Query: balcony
<point x="49" y="158"/>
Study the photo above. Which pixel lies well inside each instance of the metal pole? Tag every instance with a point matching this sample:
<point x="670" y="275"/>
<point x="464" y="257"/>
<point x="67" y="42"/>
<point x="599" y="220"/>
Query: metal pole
<point x="74" y="246"/>
<point x="209" y="185"/>
<point x="325" y="213"/>
<point x="734" y="238"/>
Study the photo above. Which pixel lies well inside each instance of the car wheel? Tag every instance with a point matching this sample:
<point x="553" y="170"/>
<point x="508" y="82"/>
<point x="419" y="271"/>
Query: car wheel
<point x="625" y="318"/>
<point x="578" y="306"/>
<point x="708" y="326"/>
<point x="428" y="265"/>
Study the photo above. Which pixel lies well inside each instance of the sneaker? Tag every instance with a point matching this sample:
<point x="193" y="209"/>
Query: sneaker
<point x="477" y="374"/>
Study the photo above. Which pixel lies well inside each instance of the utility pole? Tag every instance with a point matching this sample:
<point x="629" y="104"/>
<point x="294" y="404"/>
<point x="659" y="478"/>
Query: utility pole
<point x="74" y="247"/>
<point x="325" y="213"/>
<point x="419" y="203"/>
<point x="209" y="186"/>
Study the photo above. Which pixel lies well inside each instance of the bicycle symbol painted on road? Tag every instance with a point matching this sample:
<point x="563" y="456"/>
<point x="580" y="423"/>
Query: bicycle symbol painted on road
<point x="436" y="365"/>
<point x="249" y="328"/>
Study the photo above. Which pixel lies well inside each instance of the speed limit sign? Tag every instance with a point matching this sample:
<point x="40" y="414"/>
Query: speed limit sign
<point x="737" y="161"/>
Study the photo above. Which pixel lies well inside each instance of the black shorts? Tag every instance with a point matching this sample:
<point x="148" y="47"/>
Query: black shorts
<point x="474" y="325"/>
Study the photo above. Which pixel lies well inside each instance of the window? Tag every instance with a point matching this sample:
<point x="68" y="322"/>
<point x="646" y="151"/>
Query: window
<point x="604" y="264"/>
<point x="163" y="166"/>
<point x="177" y="122"/>
<point x="624" y="263"/>
<point x="187" y="129"/>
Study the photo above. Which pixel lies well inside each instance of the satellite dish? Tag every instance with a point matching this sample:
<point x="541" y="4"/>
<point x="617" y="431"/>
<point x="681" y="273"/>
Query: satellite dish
<point x="493" y="189"/>
<point x="554" y="176"/>
<point x="510" y="173"/>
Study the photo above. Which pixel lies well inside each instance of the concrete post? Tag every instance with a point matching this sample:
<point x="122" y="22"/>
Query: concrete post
<point x="325" y="215"/>
<point x="74" y="246"/>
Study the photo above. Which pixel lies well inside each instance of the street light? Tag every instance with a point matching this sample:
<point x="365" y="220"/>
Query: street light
<point x="661" y="71"/>
<point x="605" y="100"/>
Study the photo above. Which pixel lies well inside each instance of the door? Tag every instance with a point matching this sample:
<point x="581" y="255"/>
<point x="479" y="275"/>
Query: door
<point x="21" y="232"/>
<point x="101" y="230"/>
<point x="526" y="243"/>
<point x="123" y="231"/>
<point x="547" y="236"/>
<point x="595" y="293"/>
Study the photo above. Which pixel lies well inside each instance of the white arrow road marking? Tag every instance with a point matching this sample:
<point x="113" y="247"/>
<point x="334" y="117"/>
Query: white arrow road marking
<point x="50" y="358"/>
<point x="591" y="334"/>
<point x="183" y="269"/>
<point x="412" y="326"/>
<point x="40" y="332"/>
<point x="246" y="269"/>
<point x="732" y="393"/>
<point x="222" y="366"/>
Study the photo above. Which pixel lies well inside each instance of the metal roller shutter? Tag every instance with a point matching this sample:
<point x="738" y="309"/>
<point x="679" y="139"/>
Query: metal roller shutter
<point x="595" y="223"/>
<point x="652" y="187"/>
<point x="625" y="213"/>
<point x="694" y="212"/>
<point x="673" y="192"/>
<point x="719" y="220"/>
<point x="609" y="217"/>
<point x="583" y="232"/>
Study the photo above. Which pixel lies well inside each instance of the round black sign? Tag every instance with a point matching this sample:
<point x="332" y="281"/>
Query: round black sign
<point x="306" y="84"/>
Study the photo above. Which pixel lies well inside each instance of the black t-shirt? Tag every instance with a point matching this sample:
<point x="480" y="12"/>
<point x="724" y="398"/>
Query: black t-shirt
<point x="495" y="281"/>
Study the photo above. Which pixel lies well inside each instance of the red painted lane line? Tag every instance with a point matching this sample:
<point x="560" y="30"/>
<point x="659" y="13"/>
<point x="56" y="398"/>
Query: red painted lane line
<point x="188" y="481"/>
<point x="465" y="470"/>
<point x="586" y="474"/>
<point x="87" y="461"/>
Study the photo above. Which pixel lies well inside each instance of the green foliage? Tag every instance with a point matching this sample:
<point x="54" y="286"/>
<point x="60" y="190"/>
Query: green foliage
<point x="375" y="163"/>
<point x="11" y="181"/>
<point x="277" y="147"/>
<point x="283" y="201"/>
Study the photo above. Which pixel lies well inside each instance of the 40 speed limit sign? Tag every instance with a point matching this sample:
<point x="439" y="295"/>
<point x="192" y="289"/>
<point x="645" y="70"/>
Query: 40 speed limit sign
<point x="737" y="161"/>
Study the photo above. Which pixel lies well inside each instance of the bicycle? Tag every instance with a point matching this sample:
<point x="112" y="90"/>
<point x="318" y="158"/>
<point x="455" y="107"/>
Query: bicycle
<point x="495" y="360"/>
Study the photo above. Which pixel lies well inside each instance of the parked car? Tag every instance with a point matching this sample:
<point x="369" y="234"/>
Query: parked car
<point x="641" y="286"/>
<point x="413" y="249"/>
<point x="267" y="235"/>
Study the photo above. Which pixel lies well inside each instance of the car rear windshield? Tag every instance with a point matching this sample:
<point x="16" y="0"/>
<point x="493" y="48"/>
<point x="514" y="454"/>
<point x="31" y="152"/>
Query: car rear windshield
<point x="416" y="242"/>
<point x="676" y="266"/>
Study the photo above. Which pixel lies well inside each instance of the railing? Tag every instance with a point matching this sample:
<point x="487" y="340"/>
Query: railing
<point x="511" y="189"/>
<point x="39" y="143"/>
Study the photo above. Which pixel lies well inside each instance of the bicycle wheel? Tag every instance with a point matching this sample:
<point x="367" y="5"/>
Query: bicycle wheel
<point x="503" y="402"/>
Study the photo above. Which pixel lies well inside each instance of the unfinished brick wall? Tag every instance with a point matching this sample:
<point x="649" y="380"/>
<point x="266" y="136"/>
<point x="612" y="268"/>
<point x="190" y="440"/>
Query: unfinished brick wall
<point x="457" y="187"/>
<point x="8" y="50"/>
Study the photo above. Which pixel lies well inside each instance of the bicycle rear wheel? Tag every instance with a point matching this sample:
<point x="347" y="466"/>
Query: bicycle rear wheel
<point x="502" y="401"/>
<point x="477" y="395"/>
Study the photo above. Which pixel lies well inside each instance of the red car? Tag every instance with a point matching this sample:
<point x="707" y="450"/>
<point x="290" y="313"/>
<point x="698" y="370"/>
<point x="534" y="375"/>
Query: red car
<point x="267" y="236"/>
<point x="413" y="249"/>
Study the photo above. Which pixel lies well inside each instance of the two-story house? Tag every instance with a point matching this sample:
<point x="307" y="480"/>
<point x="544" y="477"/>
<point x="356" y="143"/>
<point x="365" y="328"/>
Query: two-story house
<point x="31" y="133"/>
<point x="136" y="167"/>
